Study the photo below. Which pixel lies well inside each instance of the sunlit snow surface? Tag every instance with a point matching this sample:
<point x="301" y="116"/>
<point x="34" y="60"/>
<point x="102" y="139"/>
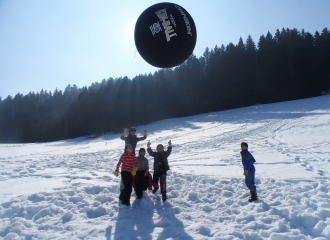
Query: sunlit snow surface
<point x="67" y="190"/>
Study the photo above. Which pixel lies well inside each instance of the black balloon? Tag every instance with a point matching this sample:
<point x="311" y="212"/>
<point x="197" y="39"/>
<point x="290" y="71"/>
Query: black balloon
<point x="165" y="35"/>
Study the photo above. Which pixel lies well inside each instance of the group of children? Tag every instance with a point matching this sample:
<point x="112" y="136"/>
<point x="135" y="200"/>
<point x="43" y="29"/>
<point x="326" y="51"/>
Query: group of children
<point x="135" y="170"/>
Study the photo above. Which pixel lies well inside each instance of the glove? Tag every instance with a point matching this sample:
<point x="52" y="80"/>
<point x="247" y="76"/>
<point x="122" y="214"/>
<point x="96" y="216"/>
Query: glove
<point x="134" y="171"/>
<point x="116" y="173"/>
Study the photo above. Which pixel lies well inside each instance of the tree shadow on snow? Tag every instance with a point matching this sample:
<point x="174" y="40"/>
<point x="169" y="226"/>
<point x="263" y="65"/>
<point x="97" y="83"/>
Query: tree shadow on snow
<point x="137" y="222"/>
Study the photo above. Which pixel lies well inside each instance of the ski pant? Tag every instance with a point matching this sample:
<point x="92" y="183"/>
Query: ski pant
<point x="161" y="177"/>
<point x="249" y="180"/>
<point x="141" y="183"/>
<point x="121" y="185"/>
<point x="127" y="179"/>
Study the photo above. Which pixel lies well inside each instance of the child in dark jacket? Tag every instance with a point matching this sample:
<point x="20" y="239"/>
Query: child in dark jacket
<point x="160" y="167"/>
<point x="141" y="180"/>
<point x="128" y="161"/>
<point x="249" y="171"/>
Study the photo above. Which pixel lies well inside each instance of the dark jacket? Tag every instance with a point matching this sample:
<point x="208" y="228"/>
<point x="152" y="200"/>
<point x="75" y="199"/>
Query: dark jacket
<point x="157" y="157"/>
<point x="132" y="140"/>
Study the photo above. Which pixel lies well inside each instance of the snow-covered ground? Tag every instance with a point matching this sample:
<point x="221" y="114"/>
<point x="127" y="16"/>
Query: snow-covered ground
<point x="67" y="190"/>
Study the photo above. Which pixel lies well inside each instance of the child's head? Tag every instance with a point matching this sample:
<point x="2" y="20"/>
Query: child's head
<point x="129" y="148"/>
<point x="142" y="152"/>
<point x="160" y="148"/>
<point x="132" y="131"/>
<point x="244" y="146"/>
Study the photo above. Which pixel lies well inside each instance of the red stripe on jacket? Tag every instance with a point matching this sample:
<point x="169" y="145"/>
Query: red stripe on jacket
<point x="128" y="161"/>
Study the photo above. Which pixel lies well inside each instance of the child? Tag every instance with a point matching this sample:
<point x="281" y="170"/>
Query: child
<point x="160" y="167"/>
<point x="141" y="178"/>
<point x="131" y="139"/>
<point x="127" y="160"/>
<point x="249" y="171"/>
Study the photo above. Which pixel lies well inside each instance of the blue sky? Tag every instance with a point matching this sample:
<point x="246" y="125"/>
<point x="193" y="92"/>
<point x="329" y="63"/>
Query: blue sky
<point x="53" y="43"/>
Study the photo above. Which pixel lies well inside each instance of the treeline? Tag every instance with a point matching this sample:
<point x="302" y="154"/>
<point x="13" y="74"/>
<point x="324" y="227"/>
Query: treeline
<point x="289" y="65"/>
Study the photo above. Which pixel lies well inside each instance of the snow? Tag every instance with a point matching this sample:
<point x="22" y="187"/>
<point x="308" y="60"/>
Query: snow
<point x="67" y="190"/>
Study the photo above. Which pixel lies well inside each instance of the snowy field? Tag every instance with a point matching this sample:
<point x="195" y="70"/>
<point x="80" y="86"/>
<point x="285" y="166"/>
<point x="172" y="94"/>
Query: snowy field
<point x="67" y="190"/>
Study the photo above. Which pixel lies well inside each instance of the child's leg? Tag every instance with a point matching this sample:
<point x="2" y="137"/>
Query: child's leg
<point x="121" y="187"/>
<point x="163" y="185"/>
<point x="145" y="182"/>
<point x="249" y="181"/>
<point x="155" y="179"/>
<point x="128" y="182"/>
<point x="253" y="188"/>
<point x="139" y="183"/>
<point x="149" y="181"/>
<point x="162" y="181"/>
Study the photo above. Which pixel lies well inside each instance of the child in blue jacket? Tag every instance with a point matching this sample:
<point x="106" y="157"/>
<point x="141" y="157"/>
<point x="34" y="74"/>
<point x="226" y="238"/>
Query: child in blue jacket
<point x="249" y="171"/>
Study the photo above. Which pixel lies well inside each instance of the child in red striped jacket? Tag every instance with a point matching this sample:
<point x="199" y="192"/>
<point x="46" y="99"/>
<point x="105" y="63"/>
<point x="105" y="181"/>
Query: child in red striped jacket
<point x="129" y="167"/>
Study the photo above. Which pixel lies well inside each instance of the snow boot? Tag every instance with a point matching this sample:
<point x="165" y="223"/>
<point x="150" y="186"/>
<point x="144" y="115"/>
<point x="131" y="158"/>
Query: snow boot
<point x="155" y="190"/>
<point x="164" y="197"/>
<point x="253" y="196"/>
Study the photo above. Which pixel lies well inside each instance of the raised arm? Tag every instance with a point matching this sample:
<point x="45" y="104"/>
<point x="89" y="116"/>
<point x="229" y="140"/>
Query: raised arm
<point x="169" y="149"/>
<point x="151" y="153"/>
<point x="122" y="137"/>
<point x="144" y="137"/>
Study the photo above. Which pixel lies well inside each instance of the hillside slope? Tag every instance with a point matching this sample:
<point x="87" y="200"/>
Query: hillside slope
<point x="67" y="189"/>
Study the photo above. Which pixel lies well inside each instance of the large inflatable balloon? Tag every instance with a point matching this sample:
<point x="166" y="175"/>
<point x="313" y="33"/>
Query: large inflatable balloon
<point x="165" y="35"/>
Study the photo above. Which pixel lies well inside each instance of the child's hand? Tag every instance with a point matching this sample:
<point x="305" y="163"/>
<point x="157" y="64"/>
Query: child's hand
<point x="170" y="143"/>
<point x="246" y="172"/>
<point x="116" y="173"/>
<point x="134" y="171"/>
<point x="148" y="145"/>
<point x="145" y="131"/>
<point x="126" y="130"/>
